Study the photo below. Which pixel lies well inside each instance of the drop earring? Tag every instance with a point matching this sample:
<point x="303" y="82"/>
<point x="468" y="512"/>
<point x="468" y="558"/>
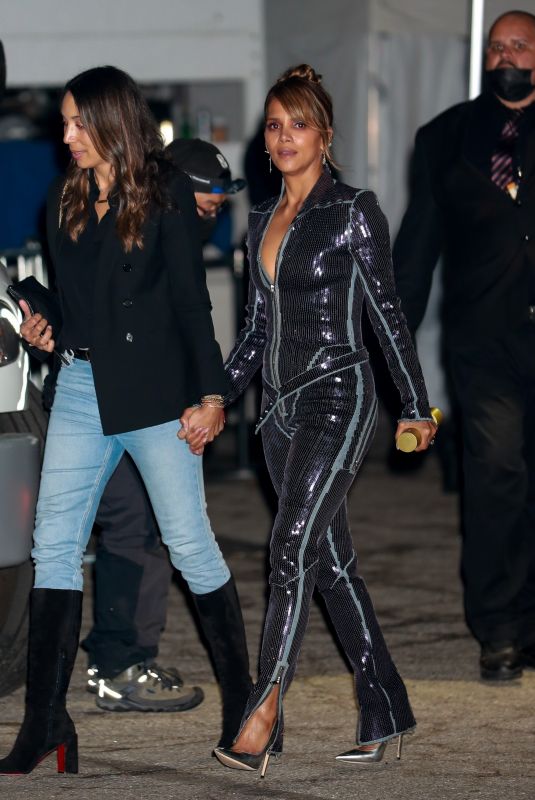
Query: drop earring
<point x="269" y="154"/>
<point x="324" y="159"/>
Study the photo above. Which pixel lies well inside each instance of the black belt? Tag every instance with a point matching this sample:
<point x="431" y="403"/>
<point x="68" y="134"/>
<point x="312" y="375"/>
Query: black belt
<point x="83" y="354"/>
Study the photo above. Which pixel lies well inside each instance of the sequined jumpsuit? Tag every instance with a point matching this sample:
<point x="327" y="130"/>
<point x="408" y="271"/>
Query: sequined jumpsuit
<point x="318" y="418"/>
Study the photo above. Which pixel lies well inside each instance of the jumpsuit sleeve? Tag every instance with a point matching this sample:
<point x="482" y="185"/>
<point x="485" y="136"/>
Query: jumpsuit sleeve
<point x="369" y="245"/>
<point x="247" y="354"/>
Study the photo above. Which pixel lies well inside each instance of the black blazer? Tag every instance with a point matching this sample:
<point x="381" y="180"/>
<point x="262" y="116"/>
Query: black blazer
<point x="487" y="240"/>
<point x="153" y="350"/>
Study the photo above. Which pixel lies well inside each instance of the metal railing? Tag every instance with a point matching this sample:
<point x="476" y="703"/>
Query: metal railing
<point x="25" y="261"/>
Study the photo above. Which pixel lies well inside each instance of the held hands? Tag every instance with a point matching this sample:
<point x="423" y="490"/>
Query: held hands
<point x="35" y="330"/>
<point x="426" y="431"/>
<point x="200" y="425"/>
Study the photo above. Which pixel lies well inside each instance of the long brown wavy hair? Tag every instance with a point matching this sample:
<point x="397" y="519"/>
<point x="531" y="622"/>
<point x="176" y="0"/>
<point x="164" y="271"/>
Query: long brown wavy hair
<point x="300" y="92"/>
<point x="125" y="134"/>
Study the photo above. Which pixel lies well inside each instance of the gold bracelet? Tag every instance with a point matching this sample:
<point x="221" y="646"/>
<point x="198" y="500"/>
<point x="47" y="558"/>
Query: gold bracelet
<point x="213" y="400"/>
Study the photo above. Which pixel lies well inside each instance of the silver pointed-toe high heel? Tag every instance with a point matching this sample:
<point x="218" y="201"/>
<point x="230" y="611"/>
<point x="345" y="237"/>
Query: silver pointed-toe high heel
<point x="249" y="761"/>
<point x="357" y="755"/>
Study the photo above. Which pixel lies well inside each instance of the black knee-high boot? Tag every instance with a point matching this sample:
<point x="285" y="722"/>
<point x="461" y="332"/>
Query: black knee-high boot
<point x="222" y="624"/>
<point x="55" y="616"/>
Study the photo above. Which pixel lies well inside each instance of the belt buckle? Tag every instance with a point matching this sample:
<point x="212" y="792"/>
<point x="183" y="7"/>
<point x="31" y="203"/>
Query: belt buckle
<point x="531" y="313"/>
<point x="66" y="357"/>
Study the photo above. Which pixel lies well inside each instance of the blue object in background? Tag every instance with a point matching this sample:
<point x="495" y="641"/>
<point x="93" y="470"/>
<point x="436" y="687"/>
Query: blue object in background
<point x="27" y="168"/>
<point x="222" y="234"/>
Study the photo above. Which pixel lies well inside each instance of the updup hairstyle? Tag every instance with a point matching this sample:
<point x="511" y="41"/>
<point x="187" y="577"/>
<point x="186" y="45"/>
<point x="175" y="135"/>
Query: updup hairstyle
<point x="300" y="92"/>
<point x="125" y="134"/>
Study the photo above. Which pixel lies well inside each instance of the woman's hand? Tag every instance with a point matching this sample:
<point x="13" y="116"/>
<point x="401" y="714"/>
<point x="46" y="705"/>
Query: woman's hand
<point x="200" y="425"/>
<point x="426" y="429"/>
<point x="35" y="330"/>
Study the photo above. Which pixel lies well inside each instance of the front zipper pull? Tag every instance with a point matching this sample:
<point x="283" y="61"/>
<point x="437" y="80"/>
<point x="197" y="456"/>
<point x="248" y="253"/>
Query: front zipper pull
<point x="272" y="287"/>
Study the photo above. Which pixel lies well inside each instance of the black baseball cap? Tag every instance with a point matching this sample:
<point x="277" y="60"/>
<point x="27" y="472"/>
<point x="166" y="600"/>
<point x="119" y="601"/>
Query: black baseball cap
<point x="206" y="166"/>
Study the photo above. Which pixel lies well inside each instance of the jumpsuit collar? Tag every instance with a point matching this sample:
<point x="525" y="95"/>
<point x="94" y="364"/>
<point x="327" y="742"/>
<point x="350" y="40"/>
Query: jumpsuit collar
<point x="317" y="194"/>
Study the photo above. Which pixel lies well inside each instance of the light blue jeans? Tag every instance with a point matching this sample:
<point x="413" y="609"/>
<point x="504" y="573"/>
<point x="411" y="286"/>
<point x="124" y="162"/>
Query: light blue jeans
<point x="80" y="459"/>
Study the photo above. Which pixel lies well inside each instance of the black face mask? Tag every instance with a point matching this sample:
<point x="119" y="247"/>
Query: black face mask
<point x="206" y="228"/>
<point x="510" y="83"/>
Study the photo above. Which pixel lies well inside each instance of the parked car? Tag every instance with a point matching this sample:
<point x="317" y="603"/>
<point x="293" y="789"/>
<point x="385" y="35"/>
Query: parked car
<point x="22" y="431"/>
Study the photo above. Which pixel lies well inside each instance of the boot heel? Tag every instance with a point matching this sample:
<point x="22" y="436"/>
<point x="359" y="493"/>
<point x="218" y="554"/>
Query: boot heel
<point x="67" y="755"/>
<point x="400" y="742"/>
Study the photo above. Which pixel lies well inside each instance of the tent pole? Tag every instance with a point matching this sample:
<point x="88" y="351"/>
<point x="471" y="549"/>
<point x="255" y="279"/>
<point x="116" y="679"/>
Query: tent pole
<point x="476" y="48"/>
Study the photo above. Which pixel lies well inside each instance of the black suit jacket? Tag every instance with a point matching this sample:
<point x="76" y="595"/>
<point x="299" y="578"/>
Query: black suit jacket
<point x="487" y="240"/>
<point x="153" y="350"/>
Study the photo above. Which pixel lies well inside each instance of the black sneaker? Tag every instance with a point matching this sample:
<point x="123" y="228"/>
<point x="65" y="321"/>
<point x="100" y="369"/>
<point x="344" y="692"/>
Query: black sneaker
<point x="144" y="687"/>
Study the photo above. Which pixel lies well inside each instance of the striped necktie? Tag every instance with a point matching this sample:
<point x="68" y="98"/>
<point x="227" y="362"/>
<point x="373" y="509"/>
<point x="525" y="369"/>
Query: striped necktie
<point x="501" y="165"/>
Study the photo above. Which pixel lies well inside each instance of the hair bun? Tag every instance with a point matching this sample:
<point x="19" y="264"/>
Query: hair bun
<point x="303" y="71"/>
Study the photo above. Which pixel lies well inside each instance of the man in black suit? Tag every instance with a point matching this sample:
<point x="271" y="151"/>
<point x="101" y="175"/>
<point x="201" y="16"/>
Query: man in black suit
<point x="472" y="200"/>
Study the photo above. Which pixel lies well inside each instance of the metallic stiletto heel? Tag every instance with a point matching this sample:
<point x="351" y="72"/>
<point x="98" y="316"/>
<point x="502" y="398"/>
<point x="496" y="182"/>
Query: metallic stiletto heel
<point x="249" y="761"/>
<point x="265" y="764"/>
<point x="253" y="761"/>
<point x="359" y="756"/>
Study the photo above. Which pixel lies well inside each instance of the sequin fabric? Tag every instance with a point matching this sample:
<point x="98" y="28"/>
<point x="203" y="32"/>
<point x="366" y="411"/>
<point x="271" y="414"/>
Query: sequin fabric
<point x="318" y="418"/>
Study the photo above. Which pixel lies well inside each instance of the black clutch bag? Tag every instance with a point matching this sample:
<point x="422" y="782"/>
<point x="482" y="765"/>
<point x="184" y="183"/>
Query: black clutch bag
<point x="40" y="301"/>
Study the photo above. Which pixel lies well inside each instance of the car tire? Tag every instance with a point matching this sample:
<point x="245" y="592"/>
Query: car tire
<point x="16" y="582"/>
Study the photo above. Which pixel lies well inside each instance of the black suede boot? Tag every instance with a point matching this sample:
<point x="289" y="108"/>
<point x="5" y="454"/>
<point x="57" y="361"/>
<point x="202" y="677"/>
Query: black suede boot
<point x="55" y="616"/>
<point x="222" y="624"/>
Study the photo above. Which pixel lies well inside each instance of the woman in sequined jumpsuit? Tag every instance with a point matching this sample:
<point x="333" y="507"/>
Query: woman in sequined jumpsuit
<point x="317" y="254"/>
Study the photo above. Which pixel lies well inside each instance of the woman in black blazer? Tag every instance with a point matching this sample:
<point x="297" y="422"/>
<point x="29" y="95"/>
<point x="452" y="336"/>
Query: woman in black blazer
<point x="137" y="346"/>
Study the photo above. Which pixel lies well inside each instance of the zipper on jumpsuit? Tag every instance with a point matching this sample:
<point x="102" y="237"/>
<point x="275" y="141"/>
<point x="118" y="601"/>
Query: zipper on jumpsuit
<point x="278" y="675"/>
<point x="275" y="292"/>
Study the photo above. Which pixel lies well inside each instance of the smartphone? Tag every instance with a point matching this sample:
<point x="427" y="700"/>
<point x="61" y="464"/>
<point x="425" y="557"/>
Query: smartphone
<point x="17" y="296"/>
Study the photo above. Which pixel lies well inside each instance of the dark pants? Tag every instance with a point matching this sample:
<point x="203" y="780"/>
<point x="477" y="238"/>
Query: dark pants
<point x="495" y="387"/>
<point x="132" y="577"/>
<point x="314" y="444"/>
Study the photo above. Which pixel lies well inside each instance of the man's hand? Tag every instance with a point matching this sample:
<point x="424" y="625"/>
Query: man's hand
<point x="35" y="330"/>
